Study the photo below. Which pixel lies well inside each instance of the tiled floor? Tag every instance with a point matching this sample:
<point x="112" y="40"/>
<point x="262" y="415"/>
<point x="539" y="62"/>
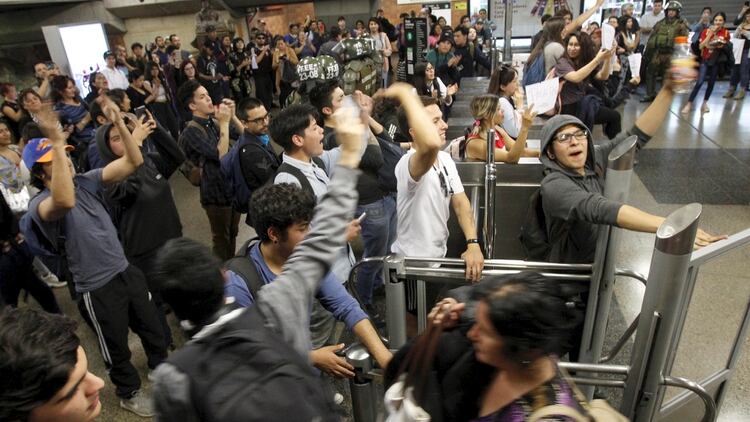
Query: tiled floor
<point x="693" y="158"/>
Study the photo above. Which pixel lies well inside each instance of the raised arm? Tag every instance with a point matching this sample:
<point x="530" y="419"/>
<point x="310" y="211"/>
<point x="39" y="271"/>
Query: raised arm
<point x="285" y="303"/>
<point x="131" y="159"/>
<point x="654" y="116"/>
<point x="583" y="17"/>
<point x="426" y="139"/>
<point x="581" y="74"/>
<point x="62" y="194"/>
<point x="224" y="115"/>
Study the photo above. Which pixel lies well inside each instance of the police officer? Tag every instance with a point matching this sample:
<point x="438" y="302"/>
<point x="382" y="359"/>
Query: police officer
<point x="659" y="48"/>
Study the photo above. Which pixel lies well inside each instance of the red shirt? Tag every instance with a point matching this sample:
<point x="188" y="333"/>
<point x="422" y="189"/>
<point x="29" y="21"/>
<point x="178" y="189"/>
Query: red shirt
<point x="720" y="35"/>
<point x="499" y="142"/>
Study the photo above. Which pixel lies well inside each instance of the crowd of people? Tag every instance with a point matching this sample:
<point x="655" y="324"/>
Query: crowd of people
<point x="86" y="192"/>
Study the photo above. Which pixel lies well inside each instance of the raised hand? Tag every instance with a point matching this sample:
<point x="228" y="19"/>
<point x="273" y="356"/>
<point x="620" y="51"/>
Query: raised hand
<point x="49" y="124"/>
<point x="528" y="115"/>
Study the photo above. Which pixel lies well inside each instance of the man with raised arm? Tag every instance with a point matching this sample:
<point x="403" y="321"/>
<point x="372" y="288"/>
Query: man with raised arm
<point x="428" y="185"/>
<point x="273" y="377"/>
<point x="68" y="216"/>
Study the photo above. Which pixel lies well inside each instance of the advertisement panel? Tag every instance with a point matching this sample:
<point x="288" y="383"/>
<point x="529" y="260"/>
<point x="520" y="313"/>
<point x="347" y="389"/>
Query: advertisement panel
<point x="527" y="14"/>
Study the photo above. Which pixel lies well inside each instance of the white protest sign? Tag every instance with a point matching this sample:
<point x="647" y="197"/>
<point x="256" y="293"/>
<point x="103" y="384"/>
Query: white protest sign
<point x="608" y="36"/>
<point x="543" y="95"/>
<point x="635" y="64"/>
<point x="737" y="45"/>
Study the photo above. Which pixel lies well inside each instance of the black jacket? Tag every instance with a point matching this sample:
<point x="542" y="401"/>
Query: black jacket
<point x="142" y="205"/>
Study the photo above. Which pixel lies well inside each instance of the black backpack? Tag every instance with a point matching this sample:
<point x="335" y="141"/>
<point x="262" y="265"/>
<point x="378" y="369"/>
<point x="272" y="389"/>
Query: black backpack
<point x="297" y="173"/>
<point x="534" y="239"/>
<point x="244" y="371"/>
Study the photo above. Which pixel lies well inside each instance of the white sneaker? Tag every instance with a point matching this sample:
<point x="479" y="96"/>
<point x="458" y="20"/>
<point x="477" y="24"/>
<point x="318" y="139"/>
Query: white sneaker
<point x="140" y="404"/>
<point x="52" y="280"/>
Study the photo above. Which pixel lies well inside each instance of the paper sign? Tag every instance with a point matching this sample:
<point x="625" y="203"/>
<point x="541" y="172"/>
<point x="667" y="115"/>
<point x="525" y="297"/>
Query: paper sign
<point x="543" y="95"/>
<point x="608" y="36"/>
<point x="737" y="44"/>
<point x="635" y="64"/>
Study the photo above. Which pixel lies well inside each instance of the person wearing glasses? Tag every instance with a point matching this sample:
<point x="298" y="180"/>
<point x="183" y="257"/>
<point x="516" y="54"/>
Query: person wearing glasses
<point x="428" y="185"/>
<point x="258" y="160"/>
<point x="572" y="191"/>
<point x="573" y="187"/>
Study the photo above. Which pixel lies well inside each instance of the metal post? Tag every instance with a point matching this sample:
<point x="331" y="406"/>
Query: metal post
<point x="507" y="52"/>
<point x="616" y="188"/>
<point x="490" y="175"/>
<point x="663" y="301"/>
<point x="395" y="300"/>
<point x="362" y="388"/>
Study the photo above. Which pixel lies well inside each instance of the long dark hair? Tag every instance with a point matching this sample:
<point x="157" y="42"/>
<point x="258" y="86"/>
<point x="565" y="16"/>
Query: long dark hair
<point x="551" y="32"/>
<point x="503" y="75"/>
<point x="588" y="52"/>
<point x="530" y="312"/>
<point x="420" y="80"/>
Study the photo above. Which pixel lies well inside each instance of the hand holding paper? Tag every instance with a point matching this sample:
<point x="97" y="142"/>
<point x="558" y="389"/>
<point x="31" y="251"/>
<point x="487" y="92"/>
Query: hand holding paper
<point x="608" y="35"/>
<point x="635" y="64"/>
<point x="542" y="96"/>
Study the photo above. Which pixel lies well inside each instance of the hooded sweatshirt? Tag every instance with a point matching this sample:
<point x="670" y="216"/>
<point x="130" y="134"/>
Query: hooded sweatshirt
<point x="142" y="205"/>
<point x="574" y="204"/>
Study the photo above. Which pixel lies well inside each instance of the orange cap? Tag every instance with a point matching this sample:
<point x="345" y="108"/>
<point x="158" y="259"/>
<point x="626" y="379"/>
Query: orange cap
<point x="681" y="40"/>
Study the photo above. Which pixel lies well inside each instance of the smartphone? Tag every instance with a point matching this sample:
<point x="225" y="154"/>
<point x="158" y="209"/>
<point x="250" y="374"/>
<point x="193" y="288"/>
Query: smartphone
<point x="361" y="217"/>
<point x="140" y="111"/>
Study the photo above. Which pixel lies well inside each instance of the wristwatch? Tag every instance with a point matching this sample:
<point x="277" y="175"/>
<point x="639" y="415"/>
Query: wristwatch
<point x="470" y="241"/>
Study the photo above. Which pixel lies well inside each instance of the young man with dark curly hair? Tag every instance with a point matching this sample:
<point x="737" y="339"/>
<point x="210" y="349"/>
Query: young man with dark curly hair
<point x="44" y="369"/>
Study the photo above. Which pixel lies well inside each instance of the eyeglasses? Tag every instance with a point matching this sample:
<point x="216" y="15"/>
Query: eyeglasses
<point x="259" y="120"/>
<point x="565" y="138"/>
<point x="444" y="183"/>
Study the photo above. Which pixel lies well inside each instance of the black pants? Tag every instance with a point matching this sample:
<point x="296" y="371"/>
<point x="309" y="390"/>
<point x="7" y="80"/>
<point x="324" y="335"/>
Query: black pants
<point x="610" y="119"/>
<point x="146" y="263"/>
<point x="125" y="303"/>
<point x="264" y="90"/>
<point x="16" y="274"/>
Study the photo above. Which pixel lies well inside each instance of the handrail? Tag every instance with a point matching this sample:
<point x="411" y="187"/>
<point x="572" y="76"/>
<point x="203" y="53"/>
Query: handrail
<point x="595" y="367"/>
<point x="506" y="263"/>
<point x="627" y="272"/>
<point x="621" y="341"/>
<point x="713" y="250"/>
<point x="709" y="414"/>
<point x="417" y="272"/>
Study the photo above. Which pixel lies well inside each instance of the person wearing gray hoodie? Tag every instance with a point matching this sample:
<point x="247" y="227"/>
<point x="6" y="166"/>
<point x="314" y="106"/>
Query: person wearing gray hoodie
<point x="573" y="186"/>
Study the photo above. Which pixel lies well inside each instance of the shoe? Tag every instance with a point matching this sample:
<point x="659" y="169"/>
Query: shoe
<point x="139" y="403"/>
<point x="705" y="109"/>
<point x="729" y="94"/>
<point x="740" y="96"/>
<point x="647" y="99"/>
<point x="52" y="280"/>
<point x="686" y="109"/>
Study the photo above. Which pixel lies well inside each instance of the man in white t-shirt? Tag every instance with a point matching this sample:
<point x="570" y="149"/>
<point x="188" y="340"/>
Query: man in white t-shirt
<point x="649" y="19"/>
<point x="428" y="185"/>
<point x="115" y="77"/>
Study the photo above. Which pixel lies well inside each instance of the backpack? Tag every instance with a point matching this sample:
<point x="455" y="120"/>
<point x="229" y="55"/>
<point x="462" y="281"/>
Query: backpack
<point x="243" y="268"/>
<point x="288" y="71"/>
<point x="231" y="172"/>
<point x="244" y="371"/>
<point x="392" y="154"/>
<point x="297" y="173"/>
<point x="534" y="240"/>
<point x="192" y="171"/>
<point x="534" y="72"/>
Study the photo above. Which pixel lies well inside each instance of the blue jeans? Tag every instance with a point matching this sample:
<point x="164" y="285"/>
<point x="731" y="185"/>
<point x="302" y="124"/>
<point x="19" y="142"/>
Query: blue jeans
<point x="741" y="72"/>
<point x="706" y="71"/>
<point x="378" y="233"/>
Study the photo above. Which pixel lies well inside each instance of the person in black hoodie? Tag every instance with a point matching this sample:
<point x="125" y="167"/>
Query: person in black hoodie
<point x="142" y="205"/>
